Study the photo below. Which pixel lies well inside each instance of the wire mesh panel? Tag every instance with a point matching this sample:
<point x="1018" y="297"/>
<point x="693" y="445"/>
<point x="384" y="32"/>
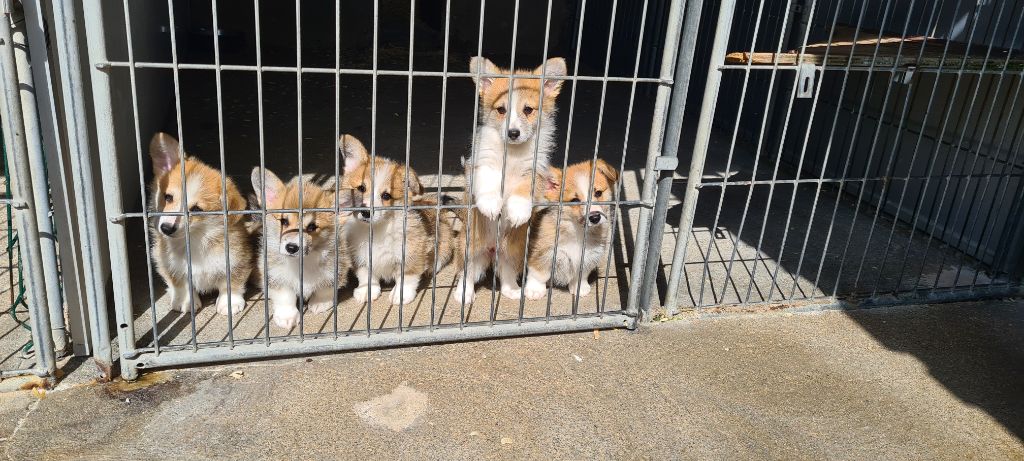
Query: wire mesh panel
<point x="863" y="150"/>
<point x="298" y="177"/>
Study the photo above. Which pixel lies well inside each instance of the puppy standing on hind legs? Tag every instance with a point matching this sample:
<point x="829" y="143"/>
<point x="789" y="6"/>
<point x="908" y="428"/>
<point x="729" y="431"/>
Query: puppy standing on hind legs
<point x="582" y="236"/>
<point x="514" y="141"/>
<point x="309" y="238"/>
<point x="207" y="247"/>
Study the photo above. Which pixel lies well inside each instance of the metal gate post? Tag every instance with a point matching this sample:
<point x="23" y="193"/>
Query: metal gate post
<point x="89" y="220"/>
<point x="101" y="101"/>
<point x="24" y="200"/>
<point x="40" y="190"/>
<point x="640" y="250"/>
<point x="700" y="150"/>
<point x="669" y="158"/>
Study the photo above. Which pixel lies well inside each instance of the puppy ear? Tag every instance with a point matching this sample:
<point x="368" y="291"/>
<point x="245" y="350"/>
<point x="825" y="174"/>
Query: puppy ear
<point x="273" y="188"/>
<point x="415" y="187"/>
<point x="608" y="171"/>
<point x="554" y="67"/>
<point x="165" y="153"/>
<point x="553" y="185"/>
<point x="482" y="65"/>
<point x="353" y="152"/>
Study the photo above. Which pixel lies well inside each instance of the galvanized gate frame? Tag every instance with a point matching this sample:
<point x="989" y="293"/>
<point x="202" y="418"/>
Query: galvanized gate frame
<point x="24" y="201"/>
<point x="660" y="162"/>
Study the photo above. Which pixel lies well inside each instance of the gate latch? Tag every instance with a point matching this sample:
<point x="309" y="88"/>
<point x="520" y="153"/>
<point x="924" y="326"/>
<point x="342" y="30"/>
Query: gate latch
<point x="665" y="163"/>
<point x="805" y="76"/>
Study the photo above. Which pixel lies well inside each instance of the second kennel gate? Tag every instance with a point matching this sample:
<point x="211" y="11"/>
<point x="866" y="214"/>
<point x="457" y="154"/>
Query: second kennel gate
<point x="854" y="152"/>
<point x="115" y="69"/>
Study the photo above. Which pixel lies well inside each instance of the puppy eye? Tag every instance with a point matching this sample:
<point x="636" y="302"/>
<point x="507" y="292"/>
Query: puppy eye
<point x="168" y="198"/>
<point x="597" y="193"/>
<point x="501" y="110"/>
<point x="361" y="188"/>
<point x="385" y="196"/>
<point x="195" y="208"/>
<point x="284" y="221"/>
<point x="527" y="110"/>
<point x="574" y="200"/>
<point x="311" y="227"/>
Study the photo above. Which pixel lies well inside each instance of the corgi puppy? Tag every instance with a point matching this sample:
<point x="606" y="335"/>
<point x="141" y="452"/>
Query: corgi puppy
<point x="513" y="138"/>
<point x="392" y="229"/>
<point x="306" y="244"/>
<point x="201" y="191"/>
<point x="582" y="236"/>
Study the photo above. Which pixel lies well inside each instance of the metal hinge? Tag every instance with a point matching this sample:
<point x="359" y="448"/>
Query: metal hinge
<point x="665" y="163"/>
<point x="906" y="76"/>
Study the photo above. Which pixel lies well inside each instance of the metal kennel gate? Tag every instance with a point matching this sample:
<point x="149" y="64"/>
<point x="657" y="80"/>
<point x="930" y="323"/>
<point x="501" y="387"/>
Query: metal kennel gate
<point x="115" y="72"/>
<point x="876" y="162"/>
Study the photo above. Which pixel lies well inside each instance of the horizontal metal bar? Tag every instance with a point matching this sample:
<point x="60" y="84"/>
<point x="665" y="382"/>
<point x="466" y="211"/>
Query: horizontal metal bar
<point x="855" y="302"/>
<point x="888" y="69"/>
<point x="848" y="180"/>
<point x="370" y="72"/>
<point x="14" y="203"/>
<point x="4" y="374"/>
<point x="391" y="338"/>
<point x="151" y="214"/>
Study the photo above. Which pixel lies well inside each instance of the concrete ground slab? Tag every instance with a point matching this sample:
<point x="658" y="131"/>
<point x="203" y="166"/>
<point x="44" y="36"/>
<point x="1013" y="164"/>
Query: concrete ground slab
<point x="935" y="382"/>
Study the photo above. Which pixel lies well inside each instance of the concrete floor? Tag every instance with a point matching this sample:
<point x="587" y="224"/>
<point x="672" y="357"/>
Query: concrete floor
<point x="877" y="384"/>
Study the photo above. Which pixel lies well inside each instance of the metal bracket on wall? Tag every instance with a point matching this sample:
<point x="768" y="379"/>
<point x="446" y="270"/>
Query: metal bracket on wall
<point x="805" y="75"/>
<point x="906" y="76"/>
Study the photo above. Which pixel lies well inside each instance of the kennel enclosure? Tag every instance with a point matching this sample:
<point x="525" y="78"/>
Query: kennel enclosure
<point x="773" y="154"/>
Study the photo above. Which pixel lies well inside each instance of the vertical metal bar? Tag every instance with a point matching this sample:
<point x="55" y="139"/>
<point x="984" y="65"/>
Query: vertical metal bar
<point x="40" y="187"/>
<point x="263" y="170"/>
<point x="89" y="219"/>
<point x="64" y="211"/>
<point x="155" y="328"/>
<point x="28" y="229"/>
<point x="440" y="163"/>
<point x="597" y="145"/>
<point x="175" y="70"/>
<point x="634" y="306"/>
<point x="536" y="157"/>
<point x="337" y="165"/>
<point x="373" y="165"/>
<point x="691" y="27"/>
<point x="298" y="141"/>
<point x="616" y="193"/>
<point x="565" y="156"/>
<point x="405" y="180"/>
<point x="223" y="173"/>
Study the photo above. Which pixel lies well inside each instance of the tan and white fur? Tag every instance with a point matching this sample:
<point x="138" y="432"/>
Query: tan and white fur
<point x="582" y="235"/>
<point x="308" y="242"/>
<point x="383" y="182"/>
<point x="202" y="191"/>
<point x="514" y="140"/>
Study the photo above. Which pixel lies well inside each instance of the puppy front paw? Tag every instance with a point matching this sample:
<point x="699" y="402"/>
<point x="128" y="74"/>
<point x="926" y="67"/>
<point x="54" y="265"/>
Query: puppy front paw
<point x="489" y="205"/>
<point x="407" y="293"/>
<point x="518" y="210"/>
<point x="535" y="289"/>
<point x="319" y="307"/>
<point x="360" y="292"/>
<point x="464" y="295"/>
<point x="181" y="302"/>
<point x="511" y="292"/>
<point x="583" y="290"/>
<point x="286" y="317"/>
<point x="235" y="304"/>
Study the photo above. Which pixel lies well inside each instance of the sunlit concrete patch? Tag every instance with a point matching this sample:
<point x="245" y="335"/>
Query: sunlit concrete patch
<point x="397" y="411"/>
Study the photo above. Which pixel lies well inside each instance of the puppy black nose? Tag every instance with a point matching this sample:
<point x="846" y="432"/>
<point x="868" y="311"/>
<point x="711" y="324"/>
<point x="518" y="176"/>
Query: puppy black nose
<point x="363" y="214"/>
<point x="513" y="134"/>
<point x="168" y="228"/>
<point x="594" y="218"/>
<point x="291" y="248"/>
